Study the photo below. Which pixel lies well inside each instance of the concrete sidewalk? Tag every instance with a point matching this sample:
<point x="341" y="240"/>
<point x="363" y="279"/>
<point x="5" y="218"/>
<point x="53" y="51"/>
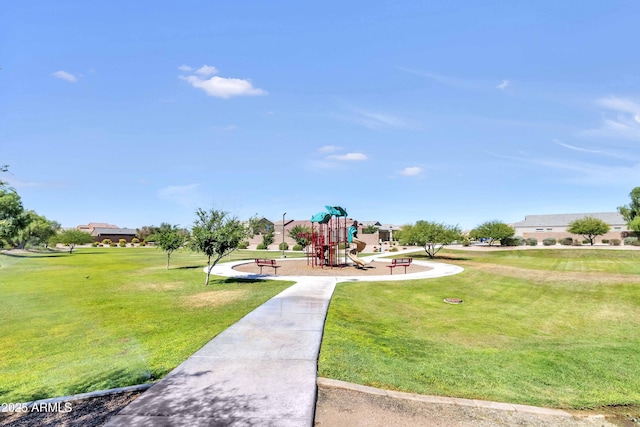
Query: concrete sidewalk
<point x="260" y="371"/>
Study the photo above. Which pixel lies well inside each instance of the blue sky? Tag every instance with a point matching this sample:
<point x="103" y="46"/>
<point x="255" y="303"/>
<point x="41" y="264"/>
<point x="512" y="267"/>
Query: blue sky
<point x="136" y="113"/>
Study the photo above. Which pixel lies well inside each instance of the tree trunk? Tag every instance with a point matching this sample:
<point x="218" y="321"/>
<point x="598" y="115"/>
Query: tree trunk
<point x="168" y="257"/>
<point x="206" y="282"/>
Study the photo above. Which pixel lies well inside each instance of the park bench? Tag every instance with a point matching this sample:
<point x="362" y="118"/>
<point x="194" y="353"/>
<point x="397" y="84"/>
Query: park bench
<point x="267" y="263"/>
<point x="400" y="262"/>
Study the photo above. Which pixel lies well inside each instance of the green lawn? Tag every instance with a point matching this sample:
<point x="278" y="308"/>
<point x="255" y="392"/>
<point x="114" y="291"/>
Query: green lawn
<point x="110" y="317"/>
<point x="556" y="328"/>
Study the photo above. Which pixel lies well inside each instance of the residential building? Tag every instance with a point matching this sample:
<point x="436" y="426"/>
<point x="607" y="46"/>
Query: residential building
<point x="556" y="225"/>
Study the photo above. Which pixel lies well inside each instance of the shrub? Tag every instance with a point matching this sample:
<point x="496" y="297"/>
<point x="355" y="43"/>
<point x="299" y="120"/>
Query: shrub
<point x="283" y="246"/>
<point x="577" y="242"/>
<point x="630" y="240"/>
<point x="549" y="241"/>
<point x="135" y="240"/>
<point x="636" y="243"/>
<point x="605" y="241"/>
<point x="261" y="246"/>
<point x="614" y="242"/>
<point x="143" y="243"/>
<point x="113" y="245"/>
<point x="95" y="244"/>
<point x="297" y="247"/>
<point x="393" y="249"/>
<point x="243" y="245"/>
<point x="122" y="243"/>
<point x="566" y="241"/>
<point x="512" y="241"/>
<point x="586" y="241"/>
<point x="532" y="241"/>
<point x="106" y="242"/>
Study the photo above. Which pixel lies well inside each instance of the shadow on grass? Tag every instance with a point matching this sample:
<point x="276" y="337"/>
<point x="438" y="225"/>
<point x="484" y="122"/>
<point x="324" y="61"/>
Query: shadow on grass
<point x="34" y="254"/>
<point x="189" y="267"/>
<point x="438" y="257"/>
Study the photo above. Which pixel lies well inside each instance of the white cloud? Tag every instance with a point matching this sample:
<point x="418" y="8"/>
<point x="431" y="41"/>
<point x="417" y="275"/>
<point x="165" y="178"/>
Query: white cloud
<point x="446" y="80"/>
<point x="228" y="128"/>
<point x="329" y="149"/>
<point x="377" y="121"/>
<point x="206" y="71"/>
<point x="626" y="124"/>
<point x="184" y="195"/>
<point x="411" y="171"/>
<point x="348" y="157"/>
<point x="572" y="147"/>
<point x="225" y="88"/>
<point x="619" y="104"/>
<point x="185" y="68"/>
<point x="503" y="85"/>
<point x="63" y="75"/>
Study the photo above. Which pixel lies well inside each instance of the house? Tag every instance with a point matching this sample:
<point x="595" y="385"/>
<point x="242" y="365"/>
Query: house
<point x="555" y="225"/>
<point x="114" y="234"/>
<point x="89" y="227"/>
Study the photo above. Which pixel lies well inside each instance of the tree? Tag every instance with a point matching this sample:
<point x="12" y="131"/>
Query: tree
<point x="145" y="232"/>
<point x="72" y="237"/>
<point x="492" y="231"/>
<point x="300" y="234"/>
<point x="37" y="230"/>
<point x="169" y="238"/>
<point x="589" y="227"/>
<point x="370" y="229"/>
<point x="632" y="210"/>
<point x="12" y="216"/>
<point x="216" y="234"/>
<point x="635" y="224"/>
<point x="267" y="239"/>
<point x="433" y="236"/>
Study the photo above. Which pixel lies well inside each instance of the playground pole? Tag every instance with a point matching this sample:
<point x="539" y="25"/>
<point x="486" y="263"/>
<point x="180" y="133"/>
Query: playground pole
<point x="282" y="256"/>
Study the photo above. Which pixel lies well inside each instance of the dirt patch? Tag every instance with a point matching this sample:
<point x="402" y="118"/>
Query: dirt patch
<point x="213" y="298"/>
<point x="302" y="268"/>
<point x="168" y="286"/>
<point x="349" y="408"/>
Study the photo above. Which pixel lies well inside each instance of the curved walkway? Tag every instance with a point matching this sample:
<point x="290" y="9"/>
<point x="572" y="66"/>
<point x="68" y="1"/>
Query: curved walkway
<point x="262" y="369"/>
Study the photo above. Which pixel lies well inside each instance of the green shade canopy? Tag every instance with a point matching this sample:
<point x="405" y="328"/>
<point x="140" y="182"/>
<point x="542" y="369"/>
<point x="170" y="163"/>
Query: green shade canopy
<point x="321" y="217"/>
<point x="336" y="210"/>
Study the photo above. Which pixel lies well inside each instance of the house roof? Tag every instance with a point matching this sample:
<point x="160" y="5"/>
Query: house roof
<point x="113" y="231"/>
<point x="563" y="220"/>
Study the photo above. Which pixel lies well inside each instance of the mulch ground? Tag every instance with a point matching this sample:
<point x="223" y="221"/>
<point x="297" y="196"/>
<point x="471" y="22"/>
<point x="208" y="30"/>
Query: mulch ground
<point x="304" y="268"/>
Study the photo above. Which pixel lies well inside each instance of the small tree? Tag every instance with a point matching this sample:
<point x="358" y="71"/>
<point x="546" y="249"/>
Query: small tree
<point x="370" y="229"/>
<point x="216" y="234"/>
<point x="589" y="227"/>
<point x="72" y="238"/>
<point x="169" y="238"/>
<point x="300" y="234"/>
<point x="267" y="239"/>
<point x="492" y="231"/>
<point x="632" y="210"/>
<point x="433" y="236"/>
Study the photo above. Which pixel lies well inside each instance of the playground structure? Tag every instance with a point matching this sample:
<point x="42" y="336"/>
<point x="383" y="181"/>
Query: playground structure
<point x="328" y="239"/>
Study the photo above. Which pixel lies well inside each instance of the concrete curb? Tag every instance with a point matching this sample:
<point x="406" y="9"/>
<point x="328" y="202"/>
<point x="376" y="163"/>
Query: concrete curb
<point x="89" y="395"/>
<point x="327" y="382"/>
